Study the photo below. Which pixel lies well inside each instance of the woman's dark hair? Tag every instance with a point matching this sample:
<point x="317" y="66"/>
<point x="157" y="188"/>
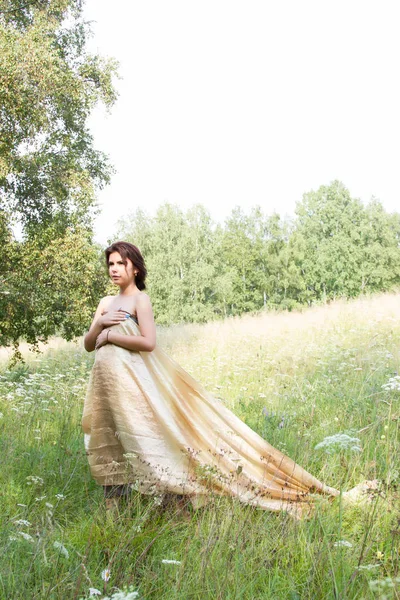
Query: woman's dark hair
<point x="127" y="250"/>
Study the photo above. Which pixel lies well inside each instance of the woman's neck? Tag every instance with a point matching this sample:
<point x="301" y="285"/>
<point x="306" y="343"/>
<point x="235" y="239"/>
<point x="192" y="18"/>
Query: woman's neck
<point x="130" y="290"/>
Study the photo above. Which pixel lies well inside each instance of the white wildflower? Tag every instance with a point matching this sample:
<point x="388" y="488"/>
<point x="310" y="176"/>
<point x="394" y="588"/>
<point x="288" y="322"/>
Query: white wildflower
<point x="343" y="543"/>
<point x="339" y="441"/>
<point x="94" y="592"/>
<point x="34" y="480"/>
<point x="123" y="595"/>
<point x="129" y="455"/>
<point x="393" y="385"/>
<point x="40" y="498"/>
<point x="106" y="574"/>
<point x="165" y="561"/>
<point x="368" y="567"/>
<point x="22" y="522"/>
<point x="62" y="549"/>
<point x="26" y="536"/>
<point x="384" y="586"/>
<point x="49" y="505"/>
<point x="60" y="496"/>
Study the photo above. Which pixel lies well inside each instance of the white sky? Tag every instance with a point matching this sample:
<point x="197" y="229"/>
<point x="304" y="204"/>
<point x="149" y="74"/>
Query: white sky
<point x="229" y="103"/>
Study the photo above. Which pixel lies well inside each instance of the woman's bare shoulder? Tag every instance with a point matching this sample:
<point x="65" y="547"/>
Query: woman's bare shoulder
<point x="105" y="302"/>
<point x="142" y="298"/>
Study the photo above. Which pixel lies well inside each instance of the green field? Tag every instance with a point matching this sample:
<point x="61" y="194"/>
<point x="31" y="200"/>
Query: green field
<point x="296" y="378"/>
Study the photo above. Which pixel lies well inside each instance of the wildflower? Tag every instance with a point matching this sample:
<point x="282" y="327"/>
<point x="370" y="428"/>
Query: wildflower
<point x="26" y="536"/>
<point x="384" y="586"/>
<point x="165" y="561"/>
<point x="62" y="549"/>
<point x="94" y="592"/>
<point x="60" y="496"/>
<point x="22" y="522"/>
<point x="49" y="505"/>
<point x="106" y="574"/>
<point x="340" y="441"/>
<point x="34" y="480"/>
<point x="393" y="384"/>
<point x="129" y="455"/>
<point x="367" y="567"/>
<point x="344" y="543"/>
<point x="379" y="555"/>
<point x="123" y="595"/>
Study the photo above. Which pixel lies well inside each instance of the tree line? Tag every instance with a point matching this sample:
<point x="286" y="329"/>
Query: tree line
<point x="334" y="246"/>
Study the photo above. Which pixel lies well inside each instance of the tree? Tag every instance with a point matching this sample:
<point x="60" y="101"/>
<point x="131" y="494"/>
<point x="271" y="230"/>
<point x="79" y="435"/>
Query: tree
<point x="328" y="227"/>
<point x="238" y="254"/>
<point x="49" y="168"/>
<point x="49" y="84"/>
<point x="54" y="290"/>
<point x="348" y="248"/>
<point x="380" y="240"/>
<point x="179" y="251"/>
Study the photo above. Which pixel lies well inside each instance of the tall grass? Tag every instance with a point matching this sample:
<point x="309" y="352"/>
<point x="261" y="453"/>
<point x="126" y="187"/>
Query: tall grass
<point x="295" y="379"/>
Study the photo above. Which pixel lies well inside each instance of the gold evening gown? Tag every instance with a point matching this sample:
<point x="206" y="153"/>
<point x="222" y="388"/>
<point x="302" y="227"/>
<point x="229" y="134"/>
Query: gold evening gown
<point x="149" y="423"/>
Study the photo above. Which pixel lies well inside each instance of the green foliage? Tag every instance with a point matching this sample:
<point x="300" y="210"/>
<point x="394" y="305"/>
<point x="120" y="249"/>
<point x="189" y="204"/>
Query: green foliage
<point x="51" y="287"/>
<point x="348" y="248"/>
<point x="336" y="247"/>
<point x="178" y="258"/>
<point x="49" y="169"/>
<point x="49" y="84"/>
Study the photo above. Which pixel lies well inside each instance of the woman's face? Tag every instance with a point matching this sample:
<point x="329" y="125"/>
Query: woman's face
<point x="120" y="274"/>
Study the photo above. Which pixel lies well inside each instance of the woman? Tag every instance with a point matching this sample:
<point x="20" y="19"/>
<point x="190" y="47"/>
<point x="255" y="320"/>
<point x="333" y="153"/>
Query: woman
<point x="149" y="424"/>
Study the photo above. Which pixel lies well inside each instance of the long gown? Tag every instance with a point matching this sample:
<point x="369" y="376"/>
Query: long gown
<point x="148" y="423"/>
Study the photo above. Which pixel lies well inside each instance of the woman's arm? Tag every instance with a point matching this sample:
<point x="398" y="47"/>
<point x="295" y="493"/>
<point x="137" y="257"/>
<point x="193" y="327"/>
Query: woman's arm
<point x="146" y="342"/>
<point x="89" y="341"/>
<point x="100" y="321"/>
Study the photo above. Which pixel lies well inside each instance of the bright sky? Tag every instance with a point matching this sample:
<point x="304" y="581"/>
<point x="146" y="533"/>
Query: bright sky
<point x="227" y="102"/>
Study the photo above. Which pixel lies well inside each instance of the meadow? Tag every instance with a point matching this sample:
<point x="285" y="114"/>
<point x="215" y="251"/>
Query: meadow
<point x="298" y="379"/>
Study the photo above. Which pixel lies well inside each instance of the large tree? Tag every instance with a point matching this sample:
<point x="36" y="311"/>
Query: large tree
<point x="348" y="248"/>
<point x="49" y="168"/>
<point x="49" y="85"/>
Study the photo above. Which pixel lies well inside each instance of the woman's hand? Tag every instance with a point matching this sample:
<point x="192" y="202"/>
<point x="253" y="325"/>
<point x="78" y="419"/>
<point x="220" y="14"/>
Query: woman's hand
<point x="102" y="339"/>
<point x="112" y="318"/>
